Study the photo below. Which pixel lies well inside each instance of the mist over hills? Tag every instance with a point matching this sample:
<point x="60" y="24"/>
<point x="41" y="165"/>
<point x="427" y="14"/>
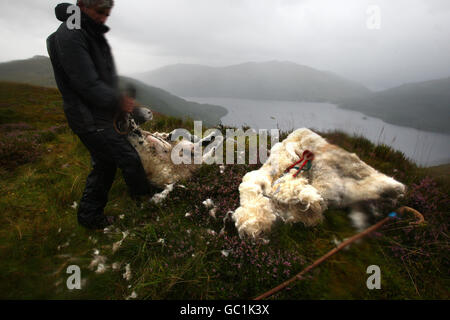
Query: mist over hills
<point x="423" y="105"/>
<point x="272" y="80"/>
<point x="38" y="71"/>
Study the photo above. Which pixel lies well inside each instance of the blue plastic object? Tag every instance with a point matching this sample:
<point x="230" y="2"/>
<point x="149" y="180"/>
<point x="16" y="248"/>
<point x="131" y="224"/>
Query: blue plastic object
<point x="393" y="215"/>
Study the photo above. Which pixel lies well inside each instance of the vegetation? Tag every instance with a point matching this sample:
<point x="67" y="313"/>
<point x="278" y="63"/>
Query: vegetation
<point x="172" y="255"/>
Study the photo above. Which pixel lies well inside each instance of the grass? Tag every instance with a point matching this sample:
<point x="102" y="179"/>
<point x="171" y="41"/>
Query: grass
<point x="172" y="256"/>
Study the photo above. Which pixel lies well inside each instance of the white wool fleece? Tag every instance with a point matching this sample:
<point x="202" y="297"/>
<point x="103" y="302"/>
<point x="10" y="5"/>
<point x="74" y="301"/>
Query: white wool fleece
<point x="336" y="178"/>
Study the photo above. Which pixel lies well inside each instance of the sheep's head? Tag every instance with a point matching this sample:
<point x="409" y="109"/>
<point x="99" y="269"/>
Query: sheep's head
<point x="142" y="115"/>
<point x="390" y="192"/>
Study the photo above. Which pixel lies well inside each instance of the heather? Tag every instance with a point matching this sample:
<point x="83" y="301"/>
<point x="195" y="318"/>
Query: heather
<point x="424" y="249"/>
<point x="182" y="248"/>
<point x="20" y="144"/>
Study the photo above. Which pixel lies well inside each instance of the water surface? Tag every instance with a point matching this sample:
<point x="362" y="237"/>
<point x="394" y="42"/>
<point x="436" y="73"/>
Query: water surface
<point x="423" y="147"/>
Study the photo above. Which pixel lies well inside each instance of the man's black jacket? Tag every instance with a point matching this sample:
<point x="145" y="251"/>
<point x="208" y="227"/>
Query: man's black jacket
<point x="85" y="73"/>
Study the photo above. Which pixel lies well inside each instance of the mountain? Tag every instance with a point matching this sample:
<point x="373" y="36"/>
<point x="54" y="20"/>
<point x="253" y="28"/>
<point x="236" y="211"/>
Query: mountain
<point x="272" y="80"/>
<point x="38" y="71"/>
<point x="168" y="104"/>
<point x="422" y="105"/>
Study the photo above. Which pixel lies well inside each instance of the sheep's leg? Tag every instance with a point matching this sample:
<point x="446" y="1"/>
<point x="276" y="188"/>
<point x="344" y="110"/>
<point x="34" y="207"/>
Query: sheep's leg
<point x="159" y="144"/>
<point x="187" y="136"/>
<point x="256" y="214"/>
<point x="206" y="140"/>
<point x="211" y="151"/>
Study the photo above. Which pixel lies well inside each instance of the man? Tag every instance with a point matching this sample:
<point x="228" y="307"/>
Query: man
<point x="86" y="76"/>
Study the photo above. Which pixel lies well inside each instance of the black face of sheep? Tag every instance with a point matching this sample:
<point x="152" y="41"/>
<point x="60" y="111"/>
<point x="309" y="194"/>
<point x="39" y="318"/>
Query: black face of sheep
<point x="142" y="115"/>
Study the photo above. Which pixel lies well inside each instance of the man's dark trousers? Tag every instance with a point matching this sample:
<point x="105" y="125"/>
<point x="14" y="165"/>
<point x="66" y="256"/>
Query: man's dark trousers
<point x="109" y="150"/>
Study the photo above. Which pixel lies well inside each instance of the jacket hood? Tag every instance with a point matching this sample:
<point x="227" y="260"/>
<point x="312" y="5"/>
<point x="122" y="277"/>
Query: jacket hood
<point x="62" y="15"/>
<point x="61" y="11"/>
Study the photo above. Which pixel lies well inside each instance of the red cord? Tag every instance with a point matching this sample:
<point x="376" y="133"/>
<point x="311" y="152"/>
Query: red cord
<point x="307" y="156"/>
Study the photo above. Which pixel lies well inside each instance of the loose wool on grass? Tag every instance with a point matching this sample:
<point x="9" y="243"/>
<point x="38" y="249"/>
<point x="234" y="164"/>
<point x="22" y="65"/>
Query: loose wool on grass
<point x="337" y="178"/>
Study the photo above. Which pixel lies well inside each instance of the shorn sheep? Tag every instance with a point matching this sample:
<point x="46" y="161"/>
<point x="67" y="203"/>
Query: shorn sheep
<point x="337" y="178"/>
<point x="156" y="149"/>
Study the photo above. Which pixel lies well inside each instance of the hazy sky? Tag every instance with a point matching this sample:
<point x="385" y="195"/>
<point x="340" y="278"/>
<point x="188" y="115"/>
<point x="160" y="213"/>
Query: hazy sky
<point x="411" y="44"/>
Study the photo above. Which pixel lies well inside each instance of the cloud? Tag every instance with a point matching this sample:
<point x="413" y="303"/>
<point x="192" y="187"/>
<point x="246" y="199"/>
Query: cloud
<point x="411" y="45"/>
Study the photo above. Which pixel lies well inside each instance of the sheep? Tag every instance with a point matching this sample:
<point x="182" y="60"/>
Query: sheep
<point x="156" y="150"/>
<point x="337" y="178"/>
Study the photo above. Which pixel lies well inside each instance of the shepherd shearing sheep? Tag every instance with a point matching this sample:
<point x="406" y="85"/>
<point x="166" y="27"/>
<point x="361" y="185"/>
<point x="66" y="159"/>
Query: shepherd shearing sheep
<point x="155" y="150"/>
<point x="337" y="178"/>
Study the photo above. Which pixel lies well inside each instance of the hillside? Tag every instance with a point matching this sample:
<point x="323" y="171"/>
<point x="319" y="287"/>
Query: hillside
<point x="169" y="255"/>
<point x="163" y="102"/>
<point x="38" y="71"/>
<point x="272" y="80"/>
<point x="422" y="105"/>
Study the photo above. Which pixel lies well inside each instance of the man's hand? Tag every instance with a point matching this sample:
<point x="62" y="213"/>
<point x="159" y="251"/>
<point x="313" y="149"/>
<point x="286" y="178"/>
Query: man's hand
<point x="128" y="104"/>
